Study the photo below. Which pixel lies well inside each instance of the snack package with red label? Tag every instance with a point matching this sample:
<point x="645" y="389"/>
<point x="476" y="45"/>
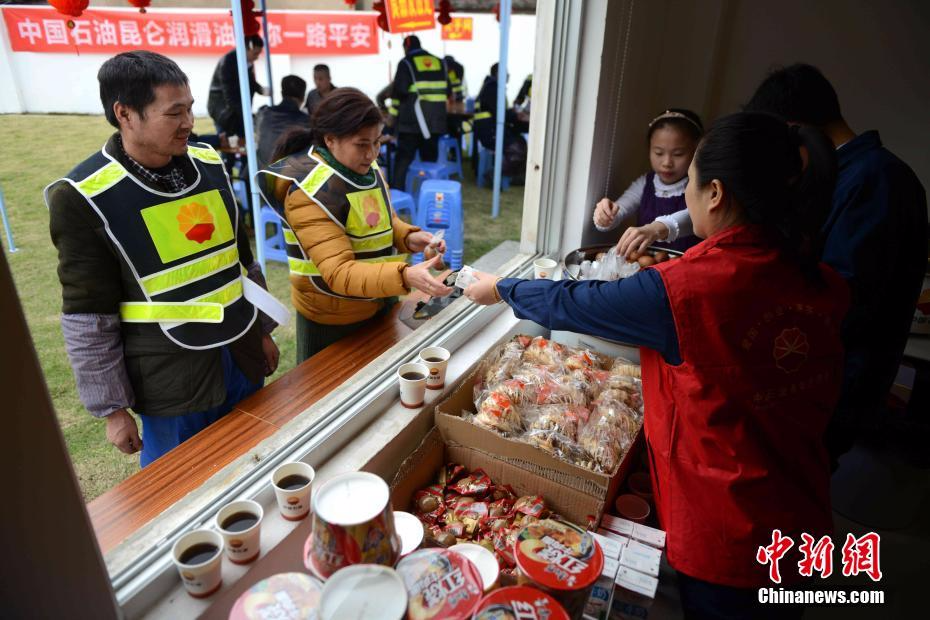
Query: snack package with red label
<point x="473" y="510"/>
<point x="451" y="473"/>
<point x="456" y="528"/>
<point x="501" y="508"/>
<point x="430" y="506"/>
<point x="545" y="353"/>
<point x="475" y="484"/>
<point x="503" y="491"/>
<point x="532" y="505"/>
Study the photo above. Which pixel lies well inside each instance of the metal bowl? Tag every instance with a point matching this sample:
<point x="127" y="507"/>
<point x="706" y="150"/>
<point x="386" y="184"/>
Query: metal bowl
<point x="580" y="255"/>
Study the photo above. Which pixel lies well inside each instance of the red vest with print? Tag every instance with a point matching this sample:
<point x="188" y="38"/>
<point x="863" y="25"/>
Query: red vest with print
<point x="735" y="432"/>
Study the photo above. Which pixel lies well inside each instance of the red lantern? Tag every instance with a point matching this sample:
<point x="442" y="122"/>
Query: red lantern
<point x="71" y="8"/>
<point x="140" y="4"/>
<point x="382" y="15"/>
<point x="445" y="7"/>
<point x="497" y="11"/>
<point x="350" y="2"/>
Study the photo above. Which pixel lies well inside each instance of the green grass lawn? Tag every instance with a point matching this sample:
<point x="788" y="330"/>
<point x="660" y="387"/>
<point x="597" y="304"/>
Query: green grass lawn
<point x="46" y="148"/>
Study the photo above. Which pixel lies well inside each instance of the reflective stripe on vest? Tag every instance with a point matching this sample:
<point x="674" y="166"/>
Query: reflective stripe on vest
<point x="425" y="85"/>
<point x="102" y="180"/>
<point x="481" y="116"/>
<point x="303" y="267"/>
<point x="207" y="156"/>
<point x="170" y="312"/>
<point x="189" y="272"/>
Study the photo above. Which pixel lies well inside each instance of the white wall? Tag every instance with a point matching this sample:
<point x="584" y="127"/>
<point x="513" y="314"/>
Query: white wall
<point x="67" y="83"/>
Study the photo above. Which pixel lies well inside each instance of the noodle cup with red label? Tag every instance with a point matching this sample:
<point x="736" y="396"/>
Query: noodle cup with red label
<point x="353" y="523"/>
<point x="441" y="585"/>
<point x="288" y="596"/>
<point x="517" y="603"/>
<point x="560" y="559"/>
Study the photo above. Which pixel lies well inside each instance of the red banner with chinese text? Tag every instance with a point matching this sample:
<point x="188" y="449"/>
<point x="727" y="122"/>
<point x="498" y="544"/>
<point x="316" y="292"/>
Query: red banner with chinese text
<point x="110" y="31"/>
<point x="459" y="29"/>
<point x="410" y="15"/>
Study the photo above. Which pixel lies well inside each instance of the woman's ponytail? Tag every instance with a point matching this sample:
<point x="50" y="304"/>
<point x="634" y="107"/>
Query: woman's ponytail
<point x="781" y="176"/>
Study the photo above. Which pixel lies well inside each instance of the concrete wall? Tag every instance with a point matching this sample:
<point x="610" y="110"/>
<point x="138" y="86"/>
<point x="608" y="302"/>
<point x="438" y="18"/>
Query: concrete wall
<point x="66" y="83"/>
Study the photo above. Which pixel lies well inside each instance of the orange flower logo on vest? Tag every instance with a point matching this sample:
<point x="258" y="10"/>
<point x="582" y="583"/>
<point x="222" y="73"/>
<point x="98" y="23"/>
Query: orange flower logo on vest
<point x="428" y="63"/>
<point x="196" y="222"/>
<point x="372" y="211"/>
<point x="791" y="349"/>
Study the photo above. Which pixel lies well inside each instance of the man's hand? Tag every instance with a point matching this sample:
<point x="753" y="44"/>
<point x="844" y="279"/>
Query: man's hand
<point x="638" y="238"/>
<point x="605" y="212"/>
<point x="270" y="349"/>
<point x="122" y="432"/>
<point x="419" y="277"/>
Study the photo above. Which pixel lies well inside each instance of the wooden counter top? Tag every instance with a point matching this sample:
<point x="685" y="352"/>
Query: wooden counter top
<point x="137" y="500"/>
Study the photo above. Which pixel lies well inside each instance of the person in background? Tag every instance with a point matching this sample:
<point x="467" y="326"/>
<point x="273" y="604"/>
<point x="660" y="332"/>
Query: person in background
<point x="657" y="198"/>
<point x="739" y="379"/>
<point x="456" y="73"/>
<point x="388" y="109"/>
<point x="346" y="247"/>
<point x="421" y="90"/>
<point x="525" y="96"/>
<point x="875" y="236"/>
<point x="156" y="317"/>
<point x="485" y="127"/>
<point x="275" y="121"/>
<point x="225" y="101"/>
<point x="324" y="86"/>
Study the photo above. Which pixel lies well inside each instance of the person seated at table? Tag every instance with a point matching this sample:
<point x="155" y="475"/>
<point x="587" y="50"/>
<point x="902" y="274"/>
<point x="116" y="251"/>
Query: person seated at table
<point x="323" y="82"/>
<point x="346" y="246"/>
<point x="277" y="120"/>
<point x="741" y="358"/>
<point x="515" y="125"/>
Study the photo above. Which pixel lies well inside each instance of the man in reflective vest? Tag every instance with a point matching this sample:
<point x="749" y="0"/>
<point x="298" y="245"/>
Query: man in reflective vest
<point x="157" y="314"/>
<point x="422" y="88"/>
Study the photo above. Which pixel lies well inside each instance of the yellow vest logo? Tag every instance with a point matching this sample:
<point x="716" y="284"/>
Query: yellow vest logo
<point x="195" y="222"/>
<point x="368" y="213"/>
<point x="372" y="210"/>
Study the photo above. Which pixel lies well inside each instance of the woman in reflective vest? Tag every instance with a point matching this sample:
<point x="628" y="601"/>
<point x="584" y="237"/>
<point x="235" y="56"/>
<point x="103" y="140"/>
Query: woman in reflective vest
<point x="741" y="359"/>
<point x="346" y="246"/>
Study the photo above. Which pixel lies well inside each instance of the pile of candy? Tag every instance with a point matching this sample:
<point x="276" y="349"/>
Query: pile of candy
<point x="468" y="507"/>
<point x="577" y="404"/>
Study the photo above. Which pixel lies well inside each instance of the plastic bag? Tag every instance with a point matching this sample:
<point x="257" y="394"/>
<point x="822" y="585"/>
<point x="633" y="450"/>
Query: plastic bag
<point x="611" y="267"/>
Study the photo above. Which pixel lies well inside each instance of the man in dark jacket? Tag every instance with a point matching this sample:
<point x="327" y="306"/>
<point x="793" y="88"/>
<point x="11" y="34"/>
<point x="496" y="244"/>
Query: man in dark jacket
<point x="275" y="121"/>
<point x="156" y="315"/>
<point x="323" y="86"/>
<point x="225" y="102"/>
<point x="875" y="237"/>
<point x="422" y="88"/>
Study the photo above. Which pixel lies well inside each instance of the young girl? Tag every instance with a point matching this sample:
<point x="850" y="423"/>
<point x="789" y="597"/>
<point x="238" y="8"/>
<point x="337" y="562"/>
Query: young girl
<point x="658" y="198"/>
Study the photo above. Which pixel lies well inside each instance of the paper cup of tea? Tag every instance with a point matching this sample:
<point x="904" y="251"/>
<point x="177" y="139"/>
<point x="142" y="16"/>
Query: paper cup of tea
<point x="412" y="378"/>
<point x="352" y="524"/>
<point x="233" y="142"/>
<point x="199" y="558"/>
<point x="292" y="483"/>
<point x="436" y="359"/>
<point x="544" y="269"/>
<point x="240" y="524"/>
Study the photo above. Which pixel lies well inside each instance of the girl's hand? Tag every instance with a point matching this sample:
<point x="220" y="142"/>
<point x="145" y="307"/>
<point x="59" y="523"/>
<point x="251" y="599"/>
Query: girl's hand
<point x="419" y="277"/>
<point x="605" y="212"/>
<point x="638" y="238"/>
<point x="418" y="240"/>
<point x="484" y="291"/>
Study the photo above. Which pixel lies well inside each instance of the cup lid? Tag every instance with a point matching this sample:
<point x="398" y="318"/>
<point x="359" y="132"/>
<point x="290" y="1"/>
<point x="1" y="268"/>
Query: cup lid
<point x="410" y="530"/>
<point x="516" y="602"/>
<point x="440" y="584"/>
<point x="287" y="596"/>
<point x="487" y="564"/>
<point x="363" y="592"/>
<point x="558" y="555"/>
<point x="351" y="498"/>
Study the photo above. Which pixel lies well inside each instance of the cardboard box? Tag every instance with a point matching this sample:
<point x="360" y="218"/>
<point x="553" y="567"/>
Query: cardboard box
<point x="599" y="490"/>
<point x="420" y="469"/>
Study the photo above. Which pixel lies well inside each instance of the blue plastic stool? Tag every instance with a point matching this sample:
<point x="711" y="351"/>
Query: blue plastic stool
<point x="450" y="151"/>
<point x="486" y="168"/>
<point x="238" y="187"/>
<point x="440" y="208"/>
<point x="470" y="105"/>
<point x="403" y="202"/>
<point x="421" y="171"/>
<point x="275" y="248"/>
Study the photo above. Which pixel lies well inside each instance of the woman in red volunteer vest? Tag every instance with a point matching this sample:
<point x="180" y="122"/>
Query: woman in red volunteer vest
<point x="741" y="359"/>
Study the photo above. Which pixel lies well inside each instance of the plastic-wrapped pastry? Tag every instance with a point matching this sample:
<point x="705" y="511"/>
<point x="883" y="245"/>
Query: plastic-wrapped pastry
<point x="497" y="413"/>
<point x="545" y="353"/>
<point x="556" y="418"/>
<point x="626" y="368"/>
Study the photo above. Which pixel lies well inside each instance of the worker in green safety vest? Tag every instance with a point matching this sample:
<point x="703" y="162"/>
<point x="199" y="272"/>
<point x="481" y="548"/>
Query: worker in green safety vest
<point x="161" y="296"/>
<point x="422" y="89"/>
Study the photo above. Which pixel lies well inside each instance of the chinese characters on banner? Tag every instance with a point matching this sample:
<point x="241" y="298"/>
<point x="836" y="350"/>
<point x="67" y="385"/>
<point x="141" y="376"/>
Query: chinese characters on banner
<point x="410" y="15"/>
<point x="38" y="29"/>
<point x="459" y="29"/>
<point x="859" y="555"/>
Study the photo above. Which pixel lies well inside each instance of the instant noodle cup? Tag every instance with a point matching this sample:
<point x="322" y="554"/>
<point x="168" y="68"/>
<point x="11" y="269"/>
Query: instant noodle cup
<point x="441" y="585"/>
<point x="483" y="559"/>
<point x="517" y="603"/>
<point x="352" y="524"/>
<point x="410" y="531"/>
<point x="363" y="592"/>
<point x="560" y="559"/>
<point x="288" y="596"/>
